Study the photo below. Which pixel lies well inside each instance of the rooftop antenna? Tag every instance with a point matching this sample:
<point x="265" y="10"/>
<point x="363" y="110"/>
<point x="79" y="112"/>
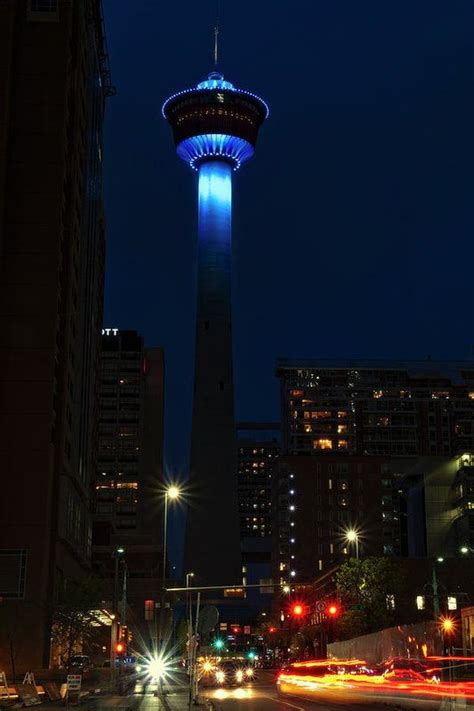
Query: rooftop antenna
<point x="216" y="34"/>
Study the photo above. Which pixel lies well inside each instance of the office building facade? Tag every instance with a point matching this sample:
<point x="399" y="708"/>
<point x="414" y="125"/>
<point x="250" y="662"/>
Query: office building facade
<point x="128" y="476"/>
<point x="54" y="79"/>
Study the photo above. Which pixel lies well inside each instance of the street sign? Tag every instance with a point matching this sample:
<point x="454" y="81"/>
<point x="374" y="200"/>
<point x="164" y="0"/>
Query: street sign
<point x="320" y="606"/>
<point x="208" y="619"/>
<point x="73" y="688"/>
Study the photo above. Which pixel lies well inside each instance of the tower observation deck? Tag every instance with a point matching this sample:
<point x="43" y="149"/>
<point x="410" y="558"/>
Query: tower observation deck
<point x="215" y="128"/>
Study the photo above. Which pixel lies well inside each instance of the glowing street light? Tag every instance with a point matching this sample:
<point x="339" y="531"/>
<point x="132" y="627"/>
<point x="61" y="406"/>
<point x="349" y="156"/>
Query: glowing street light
<point x="352" y="536"/>
<point x="173" y="492"/>
<point x="464" y="549"/>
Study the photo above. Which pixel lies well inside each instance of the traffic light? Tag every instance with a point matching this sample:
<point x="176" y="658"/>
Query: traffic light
<point x="219" y="643"/>
<point x="120" y="648"/>
<point x="251" y="656"/>
<point x="333" y="610"/>
<point x="297" y="610"/>
<point x="271" y="630"/>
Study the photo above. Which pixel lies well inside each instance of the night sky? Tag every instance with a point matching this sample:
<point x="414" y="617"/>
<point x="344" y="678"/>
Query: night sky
<point x="353" y="223"/>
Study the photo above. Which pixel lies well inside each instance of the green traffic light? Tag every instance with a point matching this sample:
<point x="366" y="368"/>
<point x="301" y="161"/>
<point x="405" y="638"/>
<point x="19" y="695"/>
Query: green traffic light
<point x="219" y="643"/>
<point x="251" y="655"/>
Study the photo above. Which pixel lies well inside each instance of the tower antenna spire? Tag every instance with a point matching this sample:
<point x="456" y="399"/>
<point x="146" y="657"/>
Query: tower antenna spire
<point x="216" y="34"/>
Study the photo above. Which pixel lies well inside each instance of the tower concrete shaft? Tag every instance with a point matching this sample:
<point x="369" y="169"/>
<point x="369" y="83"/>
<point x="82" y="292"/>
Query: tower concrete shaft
<point x="212" y="536"/>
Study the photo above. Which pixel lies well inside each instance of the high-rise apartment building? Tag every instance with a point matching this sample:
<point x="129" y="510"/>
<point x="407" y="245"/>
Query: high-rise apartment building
<point x="317" y="501"/>
<point x="54" y="80"/>
<point x="258" y="449"/>
<point x="128" y="476"/>
<point x="383" y="408"/>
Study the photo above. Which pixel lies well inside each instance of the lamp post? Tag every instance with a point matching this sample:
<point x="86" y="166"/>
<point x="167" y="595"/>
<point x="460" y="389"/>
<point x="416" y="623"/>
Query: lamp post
<point x="116" y="555"/>
<point x="189" y="616"/>
<point x="172" y="493"/>
<point x="352" y="536"/>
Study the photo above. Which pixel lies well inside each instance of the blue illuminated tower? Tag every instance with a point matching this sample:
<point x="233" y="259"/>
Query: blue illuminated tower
<point x="215" y="128"/>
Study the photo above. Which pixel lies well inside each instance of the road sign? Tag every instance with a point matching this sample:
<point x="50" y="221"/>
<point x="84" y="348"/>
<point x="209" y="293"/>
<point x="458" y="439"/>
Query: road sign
<point x="73" y="688"/>
<point x="208" y="619"/>
<point x="320" y="606"/>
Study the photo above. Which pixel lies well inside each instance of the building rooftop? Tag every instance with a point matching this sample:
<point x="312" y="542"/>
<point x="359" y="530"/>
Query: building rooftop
<point x="455" y="370"/>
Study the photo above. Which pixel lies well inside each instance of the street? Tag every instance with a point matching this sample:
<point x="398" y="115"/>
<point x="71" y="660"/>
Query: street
<point x="263" y="698"/>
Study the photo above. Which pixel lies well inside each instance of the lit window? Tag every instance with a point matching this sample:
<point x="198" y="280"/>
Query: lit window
<point x="341" y="429"/>
<point x="341" y="414"/>
<point x="306" y="414"/>
<point x="321" y="415"/>
<point x="420" y="602"/>
<point x="308" y="428"/>
<point x="452" y="603"/>
<point x="296" y="393"/>
<point x="377" y="393"/>
<point x="322" y="443"/>
<point x="320" y="565"/>
<point x="471" y="395"/>
<point x="342" y="444"/>
<point x="390" y="601"/>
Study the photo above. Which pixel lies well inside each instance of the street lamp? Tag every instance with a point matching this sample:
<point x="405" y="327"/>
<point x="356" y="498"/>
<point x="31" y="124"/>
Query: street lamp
<point x="171" y="493"/>
<point x="116" y="556"/>
<point x="464" y="549"/>
<point x="352" y="536"/>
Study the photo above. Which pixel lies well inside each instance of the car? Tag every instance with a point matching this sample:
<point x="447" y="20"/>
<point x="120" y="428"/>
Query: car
<point x="79" y="664"/>
<point x="231" y="672"/>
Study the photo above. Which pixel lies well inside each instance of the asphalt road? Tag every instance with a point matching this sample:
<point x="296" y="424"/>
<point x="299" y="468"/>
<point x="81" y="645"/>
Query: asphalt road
<point x="262" y="696"/>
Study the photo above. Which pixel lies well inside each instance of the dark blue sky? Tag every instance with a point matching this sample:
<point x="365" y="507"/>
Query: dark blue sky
<point x="353" y="224"/>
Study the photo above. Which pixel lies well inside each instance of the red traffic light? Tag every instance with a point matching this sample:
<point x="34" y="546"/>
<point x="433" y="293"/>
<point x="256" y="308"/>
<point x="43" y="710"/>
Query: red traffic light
<point x="271" y="630"/>
<point x="297" y="610"/>
<point x="332" y="609"/>
<point x="119" y="647"/>
<point x="236" y="630"/>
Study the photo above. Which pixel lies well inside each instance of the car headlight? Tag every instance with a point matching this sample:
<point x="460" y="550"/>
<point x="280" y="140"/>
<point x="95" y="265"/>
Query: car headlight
<point x="239" y="675"/>
<point x="249" y="672"/>
<point x="220" y="677"/>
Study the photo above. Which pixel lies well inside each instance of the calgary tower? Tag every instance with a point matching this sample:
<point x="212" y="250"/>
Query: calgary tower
<point x="215" y="128"/>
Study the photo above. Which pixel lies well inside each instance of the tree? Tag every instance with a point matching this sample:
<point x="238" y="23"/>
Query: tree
<point x="368" y="589"/>
<point x="74" y="618"/>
